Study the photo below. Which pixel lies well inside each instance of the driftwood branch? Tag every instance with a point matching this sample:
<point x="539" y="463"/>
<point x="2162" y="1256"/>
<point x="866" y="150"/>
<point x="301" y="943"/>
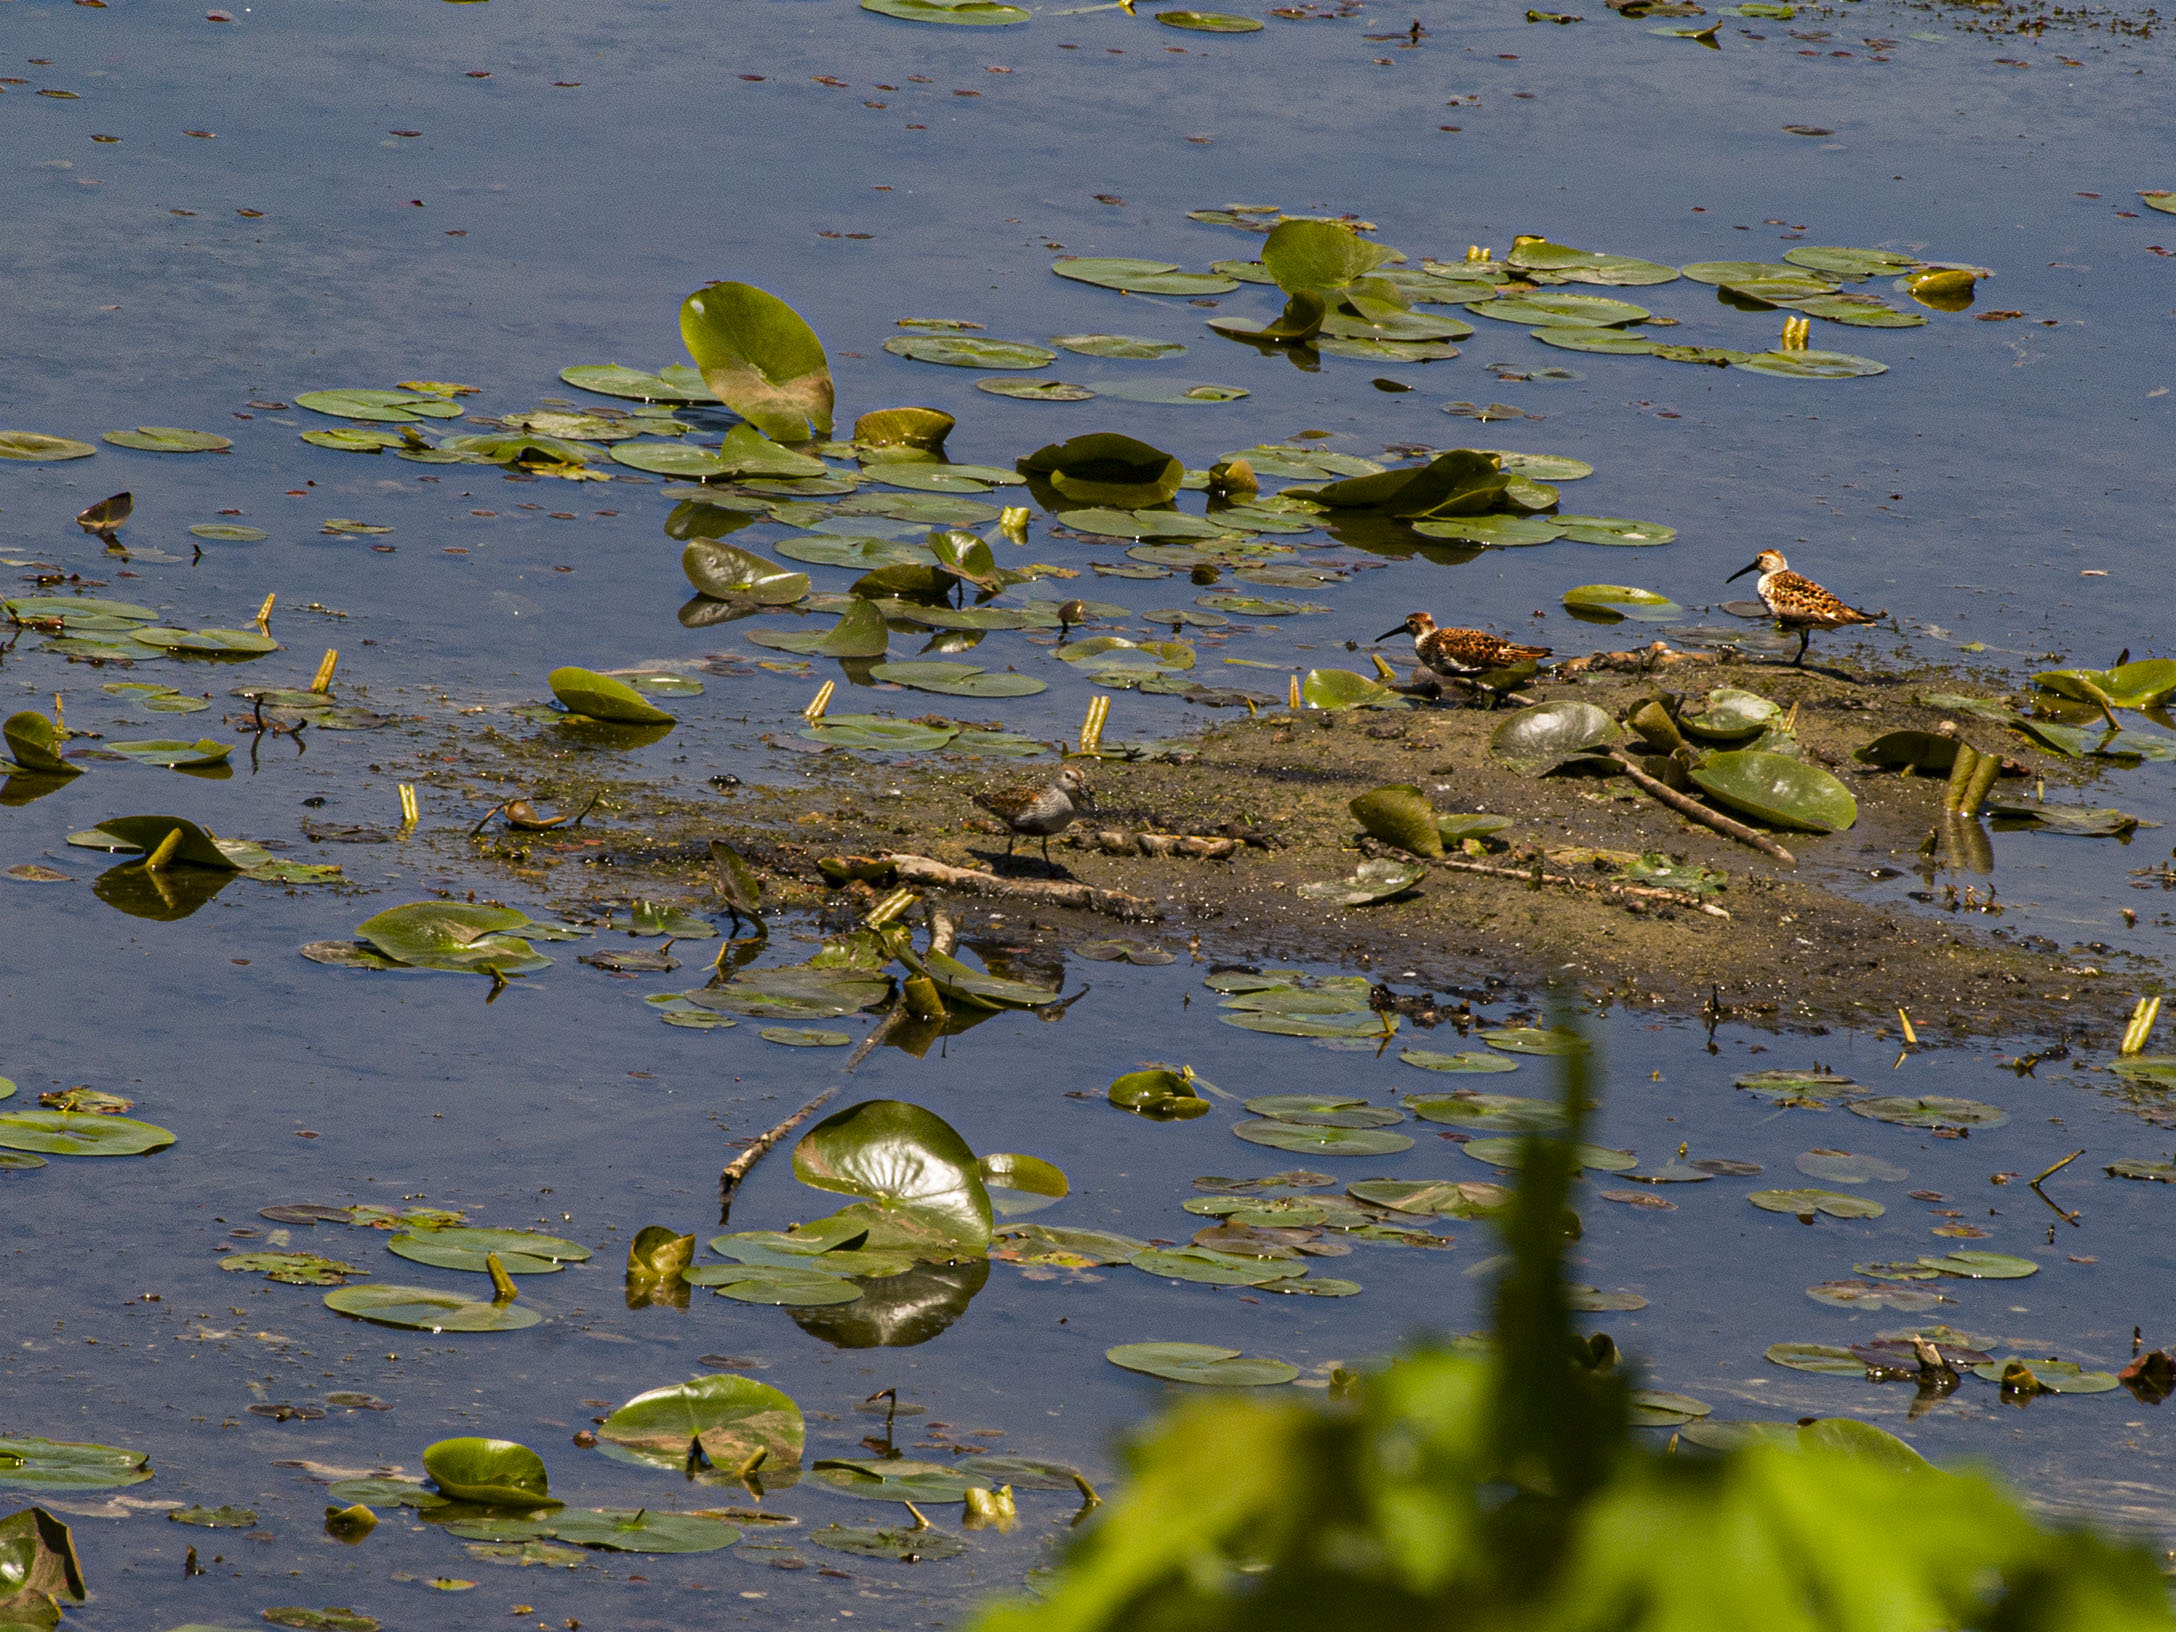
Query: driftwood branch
<point x="1051" y="892"/>
<point x="737" y="1169"/>
<point x="1714" y="821"/>
<point x="1633" y="892"/>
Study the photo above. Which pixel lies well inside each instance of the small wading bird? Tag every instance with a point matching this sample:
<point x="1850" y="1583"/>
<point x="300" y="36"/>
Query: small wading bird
<point x="1799" y="603"/>
<point x="1462" y="654"/>
<point x="1040" y="811"/>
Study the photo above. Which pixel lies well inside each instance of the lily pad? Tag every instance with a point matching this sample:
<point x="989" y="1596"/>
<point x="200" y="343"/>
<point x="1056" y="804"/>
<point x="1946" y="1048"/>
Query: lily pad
<point x="174" y="753"/>
<point x="65" y="1464"/>
<point x="1587" y="266"/>
<point x="1563" y="311"/>
<point x="1618" y="531"/>
<point x="1615" y="602"/>
<point x="969" y="351"/>
<point x="36" y="445"/>
<point x="1511" y="1152"/>
<point x="2051" y="1376"/>
<point x="804" y="1037"/>
<point x="1805" y="1203"/>
<point x="1402" y="815"/>
<point x="492" y="1472"/>
<point x="1465" y="1060"/>
<point x="168" y="439"/>
<point x="1843" y="1167"/>
<point x="454" y="937"/>
<point x="677" y="383"/>
<point x="293" y="1268"/>
<point x="1823" y="1358"/>
<point x="1136" y="276"/>
<point x="1497" y="531"/>
<point x="520" y="1252"/>
<point x="908" y="1546"/>
<point x="1128" y="346"/>
<point x="1982" y="1266"/>
<point x="1800" y="1086"/>
<point x="1201" y="1363"/>
<point x="1494" y="1113"/>
<point x="760" y="358"/>
<point x="384" y="407"/>
<point x="1850" y="263"/>
<point x="1159" y="1094"/>
<point x="80" y="1133"/>
<point x="1812" y="364"/>
<point x="899" y="1480"/>
<point x="1540" y="739"/>
<point x="1002" y="385"/>
<point x="1322" y="1141"/>
<point x="1595" y="338"/>
<point x="1931" y="1111"/>
<point x="1105" y="468"/>
<point x="871" y="731"/>
<point x="796" y="992"/>
<point x="427" y="1309"/>
<point x="1371" y="881"/>
<point x="642" y="1530"/>
<point x="1876" y="1295"/>
<point x="1534" y="1040"/>
<point x="1778" y="790"/>
<point x="923" y="1188"/>
<point x="1209" y="22"/>
<point x="728" y="572"/>
<point x="967" y="13"/>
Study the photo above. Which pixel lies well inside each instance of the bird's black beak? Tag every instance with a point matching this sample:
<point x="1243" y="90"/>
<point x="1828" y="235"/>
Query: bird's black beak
<point x="1750" y="566"/>
<point x="1387" y="633"/>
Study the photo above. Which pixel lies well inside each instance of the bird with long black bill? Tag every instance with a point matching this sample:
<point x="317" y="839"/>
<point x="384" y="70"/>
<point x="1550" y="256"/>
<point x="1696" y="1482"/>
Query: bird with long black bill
<point x="1797" y="602"/>
<point x="1461" y="654"/>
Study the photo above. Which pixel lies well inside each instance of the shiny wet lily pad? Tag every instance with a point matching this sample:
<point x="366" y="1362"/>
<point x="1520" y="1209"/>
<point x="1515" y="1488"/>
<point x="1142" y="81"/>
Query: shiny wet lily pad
<point x="1805" y="1203"/>
<point x="1370" y="882"/>
<point x="1201" y="1363"/>
<point x="427" y="1309"/>
<point x="37" y="445"/>
<point x="1776" y="789"/>
<point x="1534" y="1040"/>
<point x="61" y="1464"/>
<point x="80" y="1133"/>
<point x="969" y="351"/>
<point x="1930" y="1111"/>
<point x="1812" y="364"/>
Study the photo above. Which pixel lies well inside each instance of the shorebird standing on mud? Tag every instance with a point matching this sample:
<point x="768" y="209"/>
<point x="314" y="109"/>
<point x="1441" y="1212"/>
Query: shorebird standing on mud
<point x="1461" y="654"/>
<point x="1799" y="603"/>
<point x="1039" y="811"/>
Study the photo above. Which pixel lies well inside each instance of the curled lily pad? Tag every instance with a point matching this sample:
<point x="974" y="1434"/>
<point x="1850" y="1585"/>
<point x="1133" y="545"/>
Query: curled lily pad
<point x="1202" y="1363"/>
<point x="2130" y="685"/>
<point x="1730" y="715"/>
<point x="492" y="1472"/>
<point x="1159" y="1094"/>
<point x="923" y="1189"/>
<point x="1338" y="689"/>
<point x="1369" y="882"/>
<point x="1402" y="815"/>
<point x="1930" y="1111"/>
<point x="1805" y="1203"/>
<point x="600" y="697"/>
<point x="427" y="1309"/>
<point x="1781" y="791"/>
<point x="1540" y="739"/>
<point x="1615" y="602"/>
<point x="1105" y="468"/>
<point x="731" y="573"/>
<point x="35" y="742"/>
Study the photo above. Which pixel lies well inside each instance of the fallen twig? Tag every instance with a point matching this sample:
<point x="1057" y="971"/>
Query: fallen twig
<point x="737" y="1169"/>
<point x="877" y="1033"/>
<point x="1054" y="892"/>
<point x="1715" y="821"/>
<point x="1636" y="892"/>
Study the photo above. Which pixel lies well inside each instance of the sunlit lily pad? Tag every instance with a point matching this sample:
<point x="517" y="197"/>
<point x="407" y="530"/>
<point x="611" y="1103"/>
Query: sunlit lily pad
<point x="520" y="1252"/>
<point x="969" y="351"/>
<point x="1495" y="1113"/>
<point x="642" y="1530"/>
<point x="174" y="753"/>
<point x="61" y="1464"/>
<point x="1550" y="310"/>
<point x="1534" y="1040"/>
<point x="1034" y="390"/>
<point x="1615" y="602"/>
<point x="79" y="1133"/>
<point x="1539" y="739"/>
<point x="965" y="13"/>
<point x="1168" y="392"/>
<point x="1322" y="1141"/>
<point x="1201" y="1363"/>
<point x="427" y="1309"/>
<point x="1781" y="791"/>
<point x="167" y="439"/>
<point x="1141" y="277"/>
<point x="677" y="383"/>
<point x="900" y="1480"/>
<point x="730" y="573"/>
<point x="1850" y="263"/>
<point x="1808" y="1085"/>
<point x="2052" y="1376"/>
<point x="452" y="936"/>
<point x="1812" y="365"/>
<point x="1371" y="881"/>
<point x="1931" y="1111"/>
<point x="292" y="1268"/>
<point x="218" y="641"/>
<point x="1721" y="272"/>
<point x="387" y="407"/>
<point x="1823" y="1358"/>
<point x="1209" y="22"/>
<point x="870" y="731"/>
<point x="491" y="1472"/>
<point x="1613" y="530"/>
<point x="1876" y="1295"/>
<point x="1593" y="338"/>
<point x="1982" y="1266"/>
<point x="36" y="445"/>
<point x="1118" y="345"/>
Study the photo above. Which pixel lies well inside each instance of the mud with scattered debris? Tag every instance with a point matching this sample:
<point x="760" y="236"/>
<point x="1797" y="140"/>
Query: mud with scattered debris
<point x="1269" y="797"/>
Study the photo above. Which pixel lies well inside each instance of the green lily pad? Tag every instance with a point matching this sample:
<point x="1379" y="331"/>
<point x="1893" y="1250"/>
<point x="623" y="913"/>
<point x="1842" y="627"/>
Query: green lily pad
<point x="65" y="1464"/>
<point x="1812" y="365"/>
<point x="1722" y="272"/>
<point x="1533" y="1040"/>
<point x="292" y="1268"/>
<point x="245" y="641"/>
<point x="1555" y="311"/>
<point x="1931" y="1111"/>
<point x="728" y="572"/>
<point x="1141" y="277"/>
<point x="1982" y="1266"/>
<point x="167" y="439"/>
<point x="454" y="937"/>
<point x="1844" y="1167"/>
<point x="520" y="1252"/>
<point x="1822" y="1358"/>
<point x="969" y="351"/>
<point x="1616" y="602"/>
<point x="491" y="1472"/>
<point x="967" y="13"/>
<point x="1730" y="715"/>
<point x="640" y="1530"/>
<point x="922" y="1187"/>
<point x="1359" y="1024"/>
<point x="1201" y="1363"/>
<point x="1658" y="1408"/>
<point x="2131" y="685"/>
<point x="1402" y="815"/>
<point x="36" y="445"/>
<point x="337" y="1618"/>
<point x="80" y="1133"/>
<point x="1209" y="22"/>
<point x="1168" y="392"/>
<point x="386" y="1493"/>
<point x="1127" y="346"/>
<point x="1539" y="739"/>
<point x="957" y="680"/>
<point x="678" y="383"/>
<point x="1444" y="1198"/>
<point x="760" y="358"/>
<point x="1511" y="1152"/>
<point x="1613" y="530"/>
<point x="1805" y="1203"/>
<point x="1797" y="1085"/>
<point x="1462" y="1061"/>
<point x="174" y="753"/>
<point x="1105" y="468"/>
<point x="1875" y="1295"/>
<point x="899" y="1480"/>
<point x="427" y="1309"/>
<point x="1778" y="790"/>
<point x="1159" y="1094"/>
<point x="600" y="697"/>
<point x="35" y="743"/>
<point x="1593" y="338"/>
<point x="1850" y="263"/>
<point x="780" y="1286"/>
<point x="2053" y="1376"/>
<point x="1587" y="266"/>
<point x="870" y="731"/>
<point x="1322" y="1141"/>
<point x="796" y="992"/>
<point x="1034" y="390"/>
<point x="385" y="407"/>
<point x="732" y="1418"/>
<point x="1498" y="1113"/>
<point x="1205" y="1266"/>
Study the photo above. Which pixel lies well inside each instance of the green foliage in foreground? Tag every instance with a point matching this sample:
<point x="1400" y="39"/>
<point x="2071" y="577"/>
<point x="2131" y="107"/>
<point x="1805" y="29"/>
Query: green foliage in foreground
<point x="1505" y="1492"/>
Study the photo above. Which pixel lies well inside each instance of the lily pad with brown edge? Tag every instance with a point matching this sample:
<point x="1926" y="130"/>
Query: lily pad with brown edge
<point x="490" y="1472"/>
<point x="1370" y="882"/>
<point x="428" y="1309"/>
<point x="1510" y="1152"/>
<point x="63" y="1464"/>
<point x="1400" y="814"/>
<point x="1823" y="1358"/>
<point x="335" y="1618"/>
<point x="1876" y="1295"/>
<point x="734" y="1419"/>
<point x="1773" y="788"/>
<point x="1202" y="1363"/>
<point x="1159" y="1094"/>
<point x="1548" y="736"/>
<point x="760" y="358"/>
<point x="293" y="1268"/>
<point x="1805" y="1203"/>
<point x="1929" y="1111"/>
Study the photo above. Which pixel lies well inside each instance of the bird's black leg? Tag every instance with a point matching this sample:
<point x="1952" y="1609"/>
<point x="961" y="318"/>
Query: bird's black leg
<point x="1048" y="864"/>
<point x="1804" y="637"/>
<point x="1011" y="839"/>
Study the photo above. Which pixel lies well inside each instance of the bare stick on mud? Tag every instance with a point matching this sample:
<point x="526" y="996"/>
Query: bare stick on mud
<point x="1053" y="892"/>
<point x="1712" y="820"/>
<point x="1632" y="892"/>
<point x="737" y="1169"/>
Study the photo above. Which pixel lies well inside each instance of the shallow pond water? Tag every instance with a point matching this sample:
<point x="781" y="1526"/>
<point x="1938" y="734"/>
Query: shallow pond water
<point x="488" y="194"/>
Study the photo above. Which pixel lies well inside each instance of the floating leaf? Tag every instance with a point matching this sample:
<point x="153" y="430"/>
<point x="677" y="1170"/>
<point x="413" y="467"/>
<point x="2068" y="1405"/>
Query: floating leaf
<point x="426" y="1309"/>
<point x="1812" y="364"/>
<point x="385" y="407"/>
<point x="168" y="439"/>
<point x="1322" y="1141"/>
<point x="1983" y="1266"/>
<point x="924" y="1190"/>
<point x="1118" y="345"/>
<point x="1511" y="1152"/>
<point x="1201" y="1363"/>
<point x="1805" y="1203"/>
<point x="899" y="1480"/>
<point x="907" y="1546"/>
<point x="2047" y="1376"/>
<point x="869" y="731"/>
<point x="600" y="697"/>
<point x="760" y="358"/>
<point x="35" y="445"/>
<point x="35" y="743"/>
<point x="1615" y="602"/>
<point x="65" y="1464"/>
<point x="1586" y="266"/>
<point x="1159" y="1094"/>
<point x="1931" y="1111"/>
<point x="520" y="1252"/>
<point x="1034" y="390"/>
<point x="969" y="351"/>
<point x="1498" y="1113"/>
<point x="1209" y="22"/>
<point x="79" y="1133"/>
<point x="1876" y="1295"/>
<point x="1842" y="1167"/>
<point x="1534" y="1040"/>
<point x="1823" y="1358"/>
<point x="1141" y="277"/>
<point x="971" y="13"/>
<point x="292" y="1268"/>
<point x="493" y="1472"/>
<point x="641" y="1530"/>
<point x="1105" y="468"/>
<point x="730" y="573"/>
<point x="173" y="753"/>
<point x="454" y="937"/>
